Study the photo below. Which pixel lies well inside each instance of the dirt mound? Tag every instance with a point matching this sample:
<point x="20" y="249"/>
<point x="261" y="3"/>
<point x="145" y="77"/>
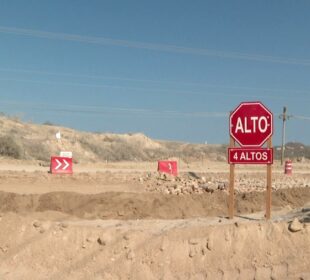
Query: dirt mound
<point x="36" y="247"/>
<point x="120" y="205"/>
<point x="120" y="224"/>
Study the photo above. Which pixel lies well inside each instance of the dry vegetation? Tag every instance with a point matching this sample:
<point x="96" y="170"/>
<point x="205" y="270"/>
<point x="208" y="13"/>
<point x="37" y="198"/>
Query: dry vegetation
<point x="30" y="141"/>
<point x="38" y="142"/>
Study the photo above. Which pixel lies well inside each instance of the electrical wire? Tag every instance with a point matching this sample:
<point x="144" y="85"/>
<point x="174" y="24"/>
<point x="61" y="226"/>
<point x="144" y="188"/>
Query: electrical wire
<point x="101" y="77"/>
<point x="151" y="46"/>
<point x="301" y="117"/>
<point x="147" y="90"/>
<point x="82" y="109"/>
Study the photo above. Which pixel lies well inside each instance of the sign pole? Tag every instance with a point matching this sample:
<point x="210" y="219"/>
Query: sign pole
<point x="251" y="126"/>
<point x="269" y="184"/>
<point x="231" y="183"/>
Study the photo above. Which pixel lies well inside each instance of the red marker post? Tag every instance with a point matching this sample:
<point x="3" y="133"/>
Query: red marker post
<point x="61" y="165"/>
<point x="168" y="166"/>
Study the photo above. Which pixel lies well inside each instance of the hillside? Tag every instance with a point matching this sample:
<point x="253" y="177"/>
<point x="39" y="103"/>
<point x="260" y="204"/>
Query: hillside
<point x="38" y="142"/>
<point x="29" y="141"/>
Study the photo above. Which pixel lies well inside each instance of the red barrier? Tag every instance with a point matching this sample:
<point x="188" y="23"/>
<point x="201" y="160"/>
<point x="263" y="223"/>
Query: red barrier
<point x="168" y="166"/>
<point x="288" y="167"/>
<point x="61" y="165"/>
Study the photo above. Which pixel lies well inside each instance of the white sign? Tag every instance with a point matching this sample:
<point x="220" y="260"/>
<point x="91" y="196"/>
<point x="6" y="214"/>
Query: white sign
<point x="256" y="122"/>
<point x="58" y="135"/>
<point x="66" y="154"/>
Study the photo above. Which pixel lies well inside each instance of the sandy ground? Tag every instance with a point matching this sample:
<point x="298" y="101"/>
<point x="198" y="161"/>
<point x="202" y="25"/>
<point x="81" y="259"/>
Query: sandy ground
<point x="124" y="221"/>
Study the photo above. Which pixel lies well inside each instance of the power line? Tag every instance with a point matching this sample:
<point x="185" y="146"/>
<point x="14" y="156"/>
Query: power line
<point x="69" y="108"/>
<point x="151" y="46"/>
<point x="301" y="117"/>
<point x="109" y="110"/>
<point x="146" y="90"/>
<point x="101" y="77"/>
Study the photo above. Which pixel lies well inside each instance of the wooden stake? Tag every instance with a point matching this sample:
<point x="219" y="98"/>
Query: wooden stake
<point x="269" y="184"/>
<point x="231" y="184"/>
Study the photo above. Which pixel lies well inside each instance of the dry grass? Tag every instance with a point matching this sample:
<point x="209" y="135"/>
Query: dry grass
<point x="9" y="147"/>
<point x="29" y="141"/>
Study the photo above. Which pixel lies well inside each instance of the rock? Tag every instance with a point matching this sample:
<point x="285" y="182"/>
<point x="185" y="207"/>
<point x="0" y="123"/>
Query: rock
<point x="204" y="187"/>
<point x="227" y="236"/>
<point x="105" y="238"/>
<point x="36" y="224"/>
<point x="106" y="214"/>
<point x="203" y="251"/>
<point x="195" y="185"/>
<point x="4" y="249"/>
<point x="203" y="179"/>
<point x="209" y="245"/>
<point x="141" y="180"/>
<point x="63" y="225"/>
<point x="193" y="241"/>
<point x="102" y="241"/>
<point x="130" y="255"/>
<point x="120" y="213"/>
<point x="178" y="179"/>
<point x="288" y="208"/>
<point x="295" y="225"/>
<point x="167" y="191"/>
<point x="126" y="237"/>
<point x="222" y="186"/>
<point x="90" y="239"/>
<point x="192" y="253"/>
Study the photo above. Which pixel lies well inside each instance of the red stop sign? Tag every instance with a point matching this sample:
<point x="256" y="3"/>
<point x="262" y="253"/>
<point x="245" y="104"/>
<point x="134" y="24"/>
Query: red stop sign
<point x="251" y="124"/>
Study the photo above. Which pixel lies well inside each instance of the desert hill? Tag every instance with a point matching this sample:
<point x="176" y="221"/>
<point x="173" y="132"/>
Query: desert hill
<point x="21" y="140"/>
<point x="29" y="141"/>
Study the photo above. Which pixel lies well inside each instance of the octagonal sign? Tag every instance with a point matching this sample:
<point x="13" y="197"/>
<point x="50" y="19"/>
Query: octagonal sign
<point x="251" y="124"/>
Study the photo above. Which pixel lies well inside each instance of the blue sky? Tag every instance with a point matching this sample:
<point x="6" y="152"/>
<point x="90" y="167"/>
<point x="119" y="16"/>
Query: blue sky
<point x="169" y="69"/>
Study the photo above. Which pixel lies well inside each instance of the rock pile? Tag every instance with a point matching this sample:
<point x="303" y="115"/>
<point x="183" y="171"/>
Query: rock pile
<point x="181" y="185"/>
<point x="190" y="183"/>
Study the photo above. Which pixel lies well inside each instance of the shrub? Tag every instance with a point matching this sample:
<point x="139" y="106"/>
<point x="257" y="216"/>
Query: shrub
<point x="48" y="123"/>
<point x="9" y="148"/>
<point x="37" y="150"/>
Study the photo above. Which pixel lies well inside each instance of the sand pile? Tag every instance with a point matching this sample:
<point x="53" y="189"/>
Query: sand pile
<point x="36" y="247"/>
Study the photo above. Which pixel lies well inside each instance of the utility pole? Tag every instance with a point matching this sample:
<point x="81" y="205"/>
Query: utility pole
<point x="284" y="117"/>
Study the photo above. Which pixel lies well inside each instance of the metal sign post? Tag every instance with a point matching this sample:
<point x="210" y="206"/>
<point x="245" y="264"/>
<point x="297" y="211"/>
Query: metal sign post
<point x="231" y="184"/>
<point x="269" y="184"/>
